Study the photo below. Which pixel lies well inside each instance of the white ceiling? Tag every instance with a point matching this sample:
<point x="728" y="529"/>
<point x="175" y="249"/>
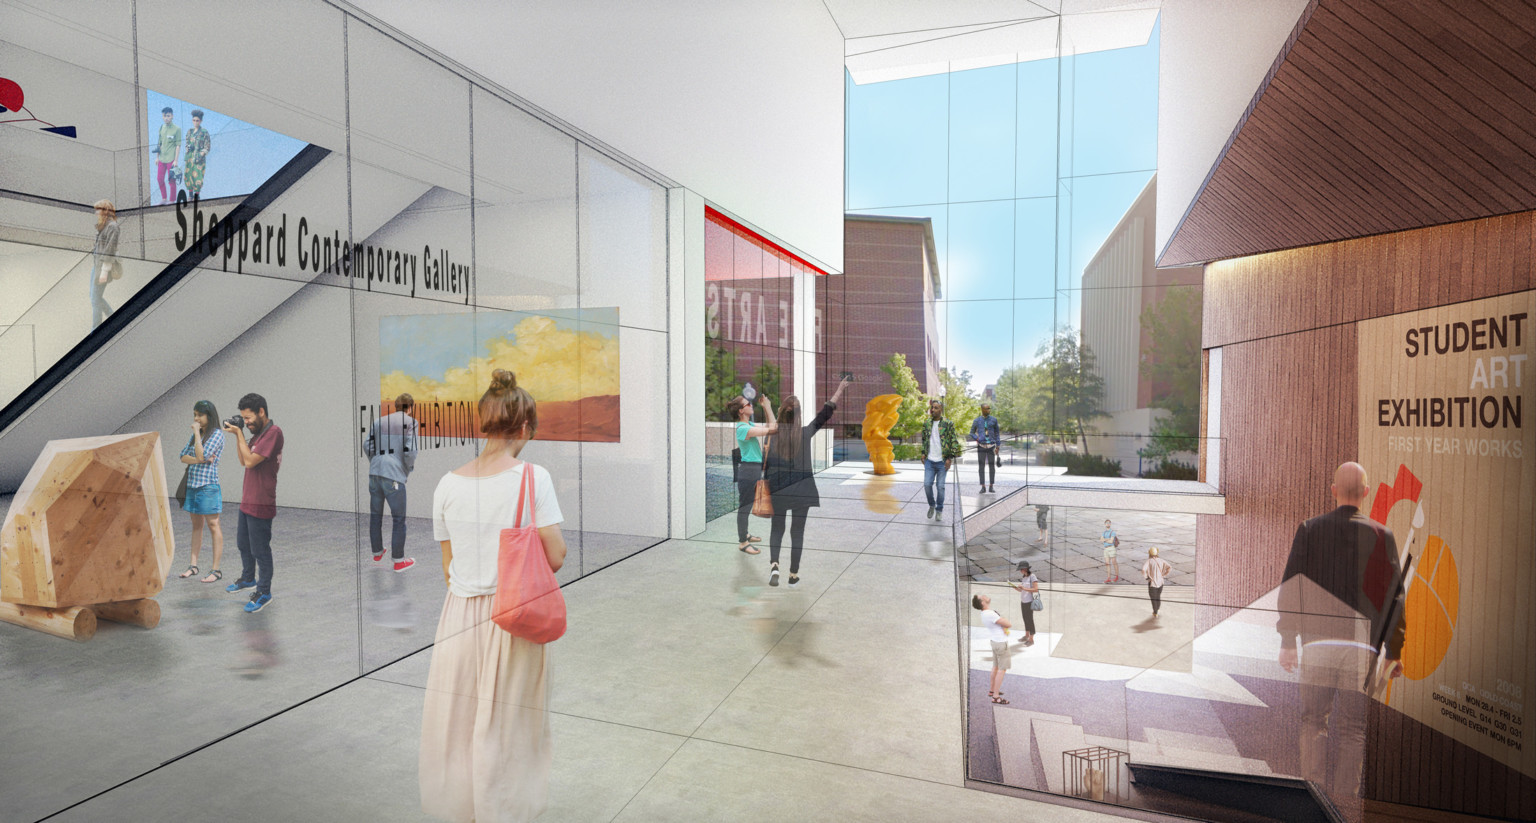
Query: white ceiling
<point x="894" y="39"/>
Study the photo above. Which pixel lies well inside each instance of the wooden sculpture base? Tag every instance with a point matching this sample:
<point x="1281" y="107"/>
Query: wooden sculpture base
<point x="79" y="622"/>
<point x="74" y="623"/>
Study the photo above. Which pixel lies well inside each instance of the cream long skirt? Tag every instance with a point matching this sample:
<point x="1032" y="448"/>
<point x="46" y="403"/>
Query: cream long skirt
<point x="485" y="744"/>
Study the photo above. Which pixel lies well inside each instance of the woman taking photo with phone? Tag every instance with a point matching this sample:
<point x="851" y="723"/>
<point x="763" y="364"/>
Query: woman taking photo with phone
<point x="750" y="469"/>
<point x="792" y="480"/>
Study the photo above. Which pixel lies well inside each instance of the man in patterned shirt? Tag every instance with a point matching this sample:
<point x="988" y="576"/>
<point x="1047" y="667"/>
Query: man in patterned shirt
<point x="943" y="446"/>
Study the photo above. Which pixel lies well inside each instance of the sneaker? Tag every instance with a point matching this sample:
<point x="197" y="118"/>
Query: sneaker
<point x="930" y="516"/>
<point x="992" y="489"/>
<point x="773" y="577"/>
<point x="240" y="584"/>
<point x="258" y="602"/>
<point x="983" y="490"/>
<point x="402" y="565"/>
<point x="794" y="580"/>
<point x="378" y="557"/>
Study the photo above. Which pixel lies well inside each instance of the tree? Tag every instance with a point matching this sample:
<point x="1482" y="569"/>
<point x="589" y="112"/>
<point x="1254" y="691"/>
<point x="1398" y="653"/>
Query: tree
<point x="1076" y="390"/>
<point x="961" y="405"/>
<point x="1022" y="399"/>
<point x="720" y="381"/>
<point x="1171" y="364"/>
<point x="768" y="379"/>
<point x="914" y="404"/>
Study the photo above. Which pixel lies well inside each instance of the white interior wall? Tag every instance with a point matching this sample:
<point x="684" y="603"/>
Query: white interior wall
<point x="738" y="100"/>
<point x="1214" y="55"/>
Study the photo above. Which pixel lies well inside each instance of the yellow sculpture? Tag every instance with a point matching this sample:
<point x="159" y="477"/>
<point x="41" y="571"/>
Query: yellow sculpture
<point x="879" y="417"/>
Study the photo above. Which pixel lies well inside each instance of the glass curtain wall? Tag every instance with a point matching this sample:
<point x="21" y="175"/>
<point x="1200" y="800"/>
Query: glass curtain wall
<point x="334" y="233"/>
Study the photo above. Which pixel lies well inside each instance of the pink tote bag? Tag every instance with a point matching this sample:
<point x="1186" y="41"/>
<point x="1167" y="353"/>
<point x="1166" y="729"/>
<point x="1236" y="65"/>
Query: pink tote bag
<point x="528" y="600"/>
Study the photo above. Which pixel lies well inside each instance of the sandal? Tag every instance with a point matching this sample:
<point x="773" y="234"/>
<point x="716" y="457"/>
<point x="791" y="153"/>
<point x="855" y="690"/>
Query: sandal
<point x="216" y="576"/>
<point x="191" y="570"/>
<point x="754" y="539"/>
<point x="999" y="699"/>
<point x="748" y="548"/>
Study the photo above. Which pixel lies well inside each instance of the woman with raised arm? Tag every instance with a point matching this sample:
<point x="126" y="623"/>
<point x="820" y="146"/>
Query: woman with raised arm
<point x="750" y="469"/>
<point x="792" y="480"/>
<point x="485" y="744"/>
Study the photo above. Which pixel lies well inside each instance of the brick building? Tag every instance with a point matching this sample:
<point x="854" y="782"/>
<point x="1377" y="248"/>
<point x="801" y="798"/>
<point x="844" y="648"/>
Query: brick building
<point x="883" y="303"/>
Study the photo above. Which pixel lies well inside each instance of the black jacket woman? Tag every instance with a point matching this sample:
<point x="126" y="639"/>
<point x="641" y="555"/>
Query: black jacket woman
<point x="792" y="480"/>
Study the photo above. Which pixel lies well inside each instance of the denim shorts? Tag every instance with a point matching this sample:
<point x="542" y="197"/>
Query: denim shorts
<point x="207" y="499"/>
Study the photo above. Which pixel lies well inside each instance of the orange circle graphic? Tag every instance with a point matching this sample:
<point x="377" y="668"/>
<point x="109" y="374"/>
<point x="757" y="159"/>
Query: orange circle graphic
<point x="1431" y="610"/>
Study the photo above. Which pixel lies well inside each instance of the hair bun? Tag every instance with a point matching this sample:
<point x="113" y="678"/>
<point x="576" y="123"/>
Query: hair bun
<point x="503" y="380"/>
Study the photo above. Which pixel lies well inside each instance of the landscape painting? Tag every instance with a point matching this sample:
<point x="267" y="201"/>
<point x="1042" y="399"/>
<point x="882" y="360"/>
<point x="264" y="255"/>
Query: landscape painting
<point x="568" y="360"/>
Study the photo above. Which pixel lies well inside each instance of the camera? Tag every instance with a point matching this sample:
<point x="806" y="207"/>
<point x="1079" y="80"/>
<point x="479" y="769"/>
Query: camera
<point x="237" y="421"/>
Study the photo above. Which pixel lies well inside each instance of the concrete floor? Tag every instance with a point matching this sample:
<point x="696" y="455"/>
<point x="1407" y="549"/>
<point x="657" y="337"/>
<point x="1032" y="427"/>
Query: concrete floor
<point x="685" y="688"/>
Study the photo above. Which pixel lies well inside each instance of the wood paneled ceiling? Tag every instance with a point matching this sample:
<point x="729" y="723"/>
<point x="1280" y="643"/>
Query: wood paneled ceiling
<point x="1378" y="116"/>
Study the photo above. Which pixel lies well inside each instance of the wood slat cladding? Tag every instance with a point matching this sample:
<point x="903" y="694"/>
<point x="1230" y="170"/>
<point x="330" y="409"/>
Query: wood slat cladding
<point x="1286" y="324"/>
<point x="1279" y="452"/>
<point x="1378" y="116"/>
<point x="1315" y="286"/>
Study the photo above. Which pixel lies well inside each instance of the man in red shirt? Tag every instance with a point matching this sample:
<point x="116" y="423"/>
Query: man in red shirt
<point x="261" y="456"/>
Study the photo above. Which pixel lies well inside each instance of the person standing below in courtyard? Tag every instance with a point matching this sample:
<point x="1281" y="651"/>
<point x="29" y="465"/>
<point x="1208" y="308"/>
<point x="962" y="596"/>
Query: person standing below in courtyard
<point x="985" y="432"/>
<point x="1042" y="513"/>
<point x="1029" y="587"/>
<point x="1155" y="570"/>
<point x="262" y="456"/>
<point x="1342" y="583"/>
<point x="997" y="634"/>
<point x="391" y="450"/>
<point x="943" y="447"/>
<point x="1111" y="545"/>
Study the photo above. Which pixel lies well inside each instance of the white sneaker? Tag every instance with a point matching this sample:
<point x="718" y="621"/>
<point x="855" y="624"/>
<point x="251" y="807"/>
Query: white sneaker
<point x="773" y="577"/>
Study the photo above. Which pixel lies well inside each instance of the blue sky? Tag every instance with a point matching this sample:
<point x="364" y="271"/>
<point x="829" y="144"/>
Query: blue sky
<point x="240" y="157"/>
<point x="1024" y="168"/>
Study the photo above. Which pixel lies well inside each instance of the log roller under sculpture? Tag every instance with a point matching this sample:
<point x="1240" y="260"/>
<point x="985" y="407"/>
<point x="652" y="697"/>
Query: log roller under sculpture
<point x="88" y="536"/>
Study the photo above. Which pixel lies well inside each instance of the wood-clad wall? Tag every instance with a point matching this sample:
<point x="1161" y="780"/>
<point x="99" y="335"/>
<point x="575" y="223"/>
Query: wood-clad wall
<point x="1286" y="325"/>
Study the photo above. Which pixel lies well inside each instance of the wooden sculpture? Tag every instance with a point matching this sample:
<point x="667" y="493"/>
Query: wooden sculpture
<point x="88" y="536"/>
<point x="879" y="417"/>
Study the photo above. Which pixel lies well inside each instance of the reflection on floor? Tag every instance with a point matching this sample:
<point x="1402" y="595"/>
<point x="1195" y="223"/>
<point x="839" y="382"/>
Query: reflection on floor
<point x="685" y="689"/>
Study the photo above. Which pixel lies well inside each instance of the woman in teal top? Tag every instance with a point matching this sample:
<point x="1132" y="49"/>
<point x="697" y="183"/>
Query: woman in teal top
<point x="751" y="468"/>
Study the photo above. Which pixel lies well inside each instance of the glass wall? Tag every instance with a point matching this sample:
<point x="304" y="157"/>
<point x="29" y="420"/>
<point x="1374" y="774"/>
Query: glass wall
<point x="1038" y="179"/>
<point x="332" y="234"/>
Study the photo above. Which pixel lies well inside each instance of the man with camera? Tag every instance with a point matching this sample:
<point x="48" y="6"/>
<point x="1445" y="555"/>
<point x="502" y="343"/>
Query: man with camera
<point x="261" y="456"/>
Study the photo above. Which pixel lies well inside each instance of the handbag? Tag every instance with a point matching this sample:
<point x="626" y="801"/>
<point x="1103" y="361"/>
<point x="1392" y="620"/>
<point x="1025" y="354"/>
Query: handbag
<point x="1036" y="603"/>
<point x="528" y="601"/>
<point x="181" y="488"/>
<point x="762" y="501"/>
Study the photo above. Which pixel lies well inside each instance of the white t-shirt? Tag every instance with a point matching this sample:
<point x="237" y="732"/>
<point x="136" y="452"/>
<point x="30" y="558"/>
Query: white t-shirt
<point x="994" y="631"/>
<point x="472" y="511"/>
<point x="935" y="444"/>
<point x="1028" y="596"/>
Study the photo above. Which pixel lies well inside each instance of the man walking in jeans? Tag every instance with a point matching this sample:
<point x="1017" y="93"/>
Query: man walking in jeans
<point x="943" y="446"/>
<point x="391" y="450"/>
<point x="261" y="456"/>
